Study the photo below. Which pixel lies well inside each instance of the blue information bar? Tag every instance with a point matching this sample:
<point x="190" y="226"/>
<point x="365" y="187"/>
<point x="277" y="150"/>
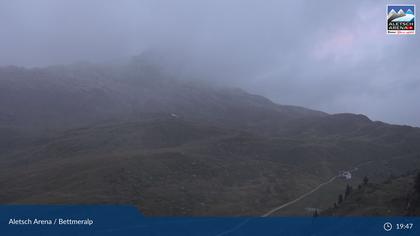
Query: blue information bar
<point x="127" y="220"/>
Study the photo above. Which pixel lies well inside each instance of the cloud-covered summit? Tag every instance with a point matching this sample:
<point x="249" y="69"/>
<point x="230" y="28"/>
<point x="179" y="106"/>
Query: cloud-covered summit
<point x="342" y="61"/>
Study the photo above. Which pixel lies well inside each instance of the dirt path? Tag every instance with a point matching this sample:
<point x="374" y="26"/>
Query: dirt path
<point x="300" y="197"/>
<point x="354" y="169"/>
<point x="312" y="191"/>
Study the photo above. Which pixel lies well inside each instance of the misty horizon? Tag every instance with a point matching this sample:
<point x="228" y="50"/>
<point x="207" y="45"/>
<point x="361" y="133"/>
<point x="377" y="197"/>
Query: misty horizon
<point x="331" y="64"/>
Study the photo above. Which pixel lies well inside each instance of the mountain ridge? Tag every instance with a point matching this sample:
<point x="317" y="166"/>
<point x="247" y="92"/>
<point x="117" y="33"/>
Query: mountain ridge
<point x="131" y="134"/>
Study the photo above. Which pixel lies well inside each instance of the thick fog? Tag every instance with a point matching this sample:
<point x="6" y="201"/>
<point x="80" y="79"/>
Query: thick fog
<point x="329" y="55"/>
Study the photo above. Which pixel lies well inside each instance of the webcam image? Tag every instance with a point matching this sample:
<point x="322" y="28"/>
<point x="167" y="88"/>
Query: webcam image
<point x="230" y="109"/>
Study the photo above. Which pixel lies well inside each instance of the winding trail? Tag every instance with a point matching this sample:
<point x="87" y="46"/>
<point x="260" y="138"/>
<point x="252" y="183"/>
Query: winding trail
<point x="238" y="226"/>
<point x="354" y="169"/>
<point x="300" y="197"/>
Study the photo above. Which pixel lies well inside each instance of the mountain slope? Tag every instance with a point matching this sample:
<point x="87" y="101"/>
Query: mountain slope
<point x="132" y="134"/>
<point x="70" y="96"/>
<point x="393" y="197"/>
<point x="170" y="166"/>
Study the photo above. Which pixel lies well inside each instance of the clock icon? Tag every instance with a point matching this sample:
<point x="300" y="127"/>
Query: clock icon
<point x="387" y="226"/>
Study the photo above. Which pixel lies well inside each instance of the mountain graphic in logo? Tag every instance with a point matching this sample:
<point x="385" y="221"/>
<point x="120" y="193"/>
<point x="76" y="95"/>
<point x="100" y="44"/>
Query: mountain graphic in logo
<point x="401" y="16"/>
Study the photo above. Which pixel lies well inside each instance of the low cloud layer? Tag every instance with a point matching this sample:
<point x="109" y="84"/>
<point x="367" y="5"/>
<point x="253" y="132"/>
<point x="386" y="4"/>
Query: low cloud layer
<point x="329" y="55"/>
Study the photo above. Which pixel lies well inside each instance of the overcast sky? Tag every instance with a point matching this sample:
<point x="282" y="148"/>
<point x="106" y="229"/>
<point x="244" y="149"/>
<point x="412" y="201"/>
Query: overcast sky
<point x="329" y="55"/>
